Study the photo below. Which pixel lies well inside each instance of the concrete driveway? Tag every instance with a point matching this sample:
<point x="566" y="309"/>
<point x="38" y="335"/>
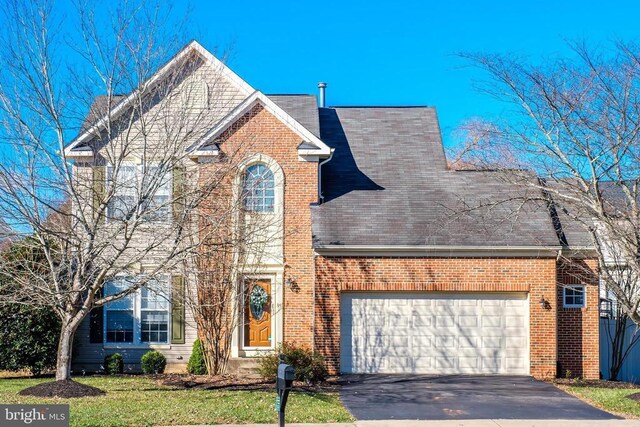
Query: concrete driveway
<point x="428" y="397"/>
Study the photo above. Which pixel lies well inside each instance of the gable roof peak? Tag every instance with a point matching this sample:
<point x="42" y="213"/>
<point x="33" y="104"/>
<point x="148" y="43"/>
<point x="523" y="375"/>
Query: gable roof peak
<point x="121" y="106"/>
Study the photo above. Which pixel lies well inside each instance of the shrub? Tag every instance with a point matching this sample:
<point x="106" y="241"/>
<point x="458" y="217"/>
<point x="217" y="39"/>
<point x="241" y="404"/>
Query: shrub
<point x="28" y="338"/>
<point x="114" y="364"/>
<point x="196" y="365"/>
<point x="308" y="365"/>
<point x="153" y="362"/>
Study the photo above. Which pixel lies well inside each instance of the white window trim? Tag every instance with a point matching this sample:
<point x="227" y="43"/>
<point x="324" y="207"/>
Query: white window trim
<point x="243" y="190"/>
<point x="575" y="287"/>
<point x="278" y="181"/>
<point x="139" y="176"/>
<point x="137" y="324"/>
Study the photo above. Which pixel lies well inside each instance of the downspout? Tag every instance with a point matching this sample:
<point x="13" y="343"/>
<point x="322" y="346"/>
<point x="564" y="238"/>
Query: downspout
<point x="320" y="196"/>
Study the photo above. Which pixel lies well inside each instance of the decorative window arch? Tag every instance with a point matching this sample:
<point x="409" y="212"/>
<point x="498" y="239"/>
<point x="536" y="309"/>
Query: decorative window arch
<point x="258" y="188"/>
<point x="259" y="185"/>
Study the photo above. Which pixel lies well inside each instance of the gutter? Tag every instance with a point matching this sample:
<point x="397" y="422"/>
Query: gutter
<point x="438" y="251"/>
<point x="320" y="196"/>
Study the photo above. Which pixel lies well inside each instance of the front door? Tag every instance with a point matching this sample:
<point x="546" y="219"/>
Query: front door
<point x="257" y="314"/>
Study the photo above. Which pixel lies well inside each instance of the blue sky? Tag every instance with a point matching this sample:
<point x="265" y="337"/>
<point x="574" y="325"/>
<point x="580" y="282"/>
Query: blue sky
<point x="398" y="53"/>
<point x="395" y="52"/>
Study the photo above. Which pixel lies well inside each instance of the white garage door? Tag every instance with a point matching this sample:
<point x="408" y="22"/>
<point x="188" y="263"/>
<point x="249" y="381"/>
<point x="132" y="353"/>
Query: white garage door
<point x="434" y="333"/>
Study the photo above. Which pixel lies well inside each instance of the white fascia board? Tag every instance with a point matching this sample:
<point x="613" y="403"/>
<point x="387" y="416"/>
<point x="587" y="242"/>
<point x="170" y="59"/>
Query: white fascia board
<point x="323" y="150"/>
<point x="579" y="252"/>
<point x="193" y="46"/>
<point x="204" y="154"/>
<point x="84" y="154"/>
<point x="438" y="251"/>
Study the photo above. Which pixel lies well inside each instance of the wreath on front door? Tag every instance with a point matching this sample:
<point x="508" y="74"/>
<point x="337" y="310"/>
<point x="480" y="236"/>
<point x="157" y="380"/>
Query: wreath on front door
<point x="257" y="301"/>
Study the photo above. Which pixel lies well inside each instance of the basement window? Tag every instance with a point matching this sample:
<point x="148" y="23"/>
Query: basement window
<point x="573" y="296"/>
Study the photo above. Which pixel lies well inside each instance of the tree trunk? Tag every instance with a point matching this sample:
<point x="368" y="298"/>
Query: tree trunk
<point x="65" y="347"/>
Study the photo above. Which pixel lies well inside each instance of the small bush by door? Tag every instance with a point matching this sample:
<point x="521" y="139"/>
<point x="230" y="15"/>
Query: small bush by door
<point x="309" y="365"/>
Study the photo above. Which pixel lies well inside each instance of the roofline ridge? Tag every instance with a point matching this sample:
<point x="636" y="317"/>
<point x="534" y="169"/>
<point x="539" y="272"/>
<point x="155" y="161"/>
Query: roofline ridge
<point x="381" y="106"/>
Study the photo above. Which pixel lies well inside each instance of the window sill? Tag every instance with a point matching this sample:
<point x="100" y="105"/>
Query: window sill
<point x="126" y="346"/>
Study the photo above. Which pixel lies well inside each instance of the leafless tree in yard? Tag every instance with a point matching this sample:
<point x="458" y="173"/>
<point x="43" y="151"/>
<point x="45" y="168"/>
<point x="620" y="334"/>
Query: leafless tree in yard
<point x="232" y="253"/>
<point x="124" y="203"/>
<point x="571" y="136"/>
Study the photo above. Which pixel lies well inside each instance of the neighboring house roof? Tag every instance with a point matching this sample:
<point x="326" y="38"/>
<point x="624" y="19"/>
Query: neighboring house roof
<point x="573" y="224"/>
<point x="388" y="185"/>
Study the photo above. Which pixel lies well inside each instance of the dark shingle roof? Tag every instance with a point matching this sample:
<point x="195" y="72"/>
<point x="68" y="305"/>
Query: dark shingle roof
<point x="99" y="108"/>
<point x="388" y="184"/>
<point x="303" y="108"/>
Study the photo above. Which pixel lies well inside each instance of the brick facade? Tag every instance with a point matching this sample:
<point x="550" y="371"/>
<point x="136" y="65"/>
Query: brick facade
<point x="259" y="132"/>
<point x="537" y="276"/>
<point x="578" y="328"/>
<point x="559" y="338"/>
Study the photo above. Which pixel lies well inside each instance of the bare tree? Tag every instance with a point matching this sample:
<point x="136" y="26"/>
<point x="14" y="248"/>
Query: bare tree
<point x="228" y="261"/>
<point x="119" y="200"/>
<point x="572" y="137"/>
<point x="242" y="231"/>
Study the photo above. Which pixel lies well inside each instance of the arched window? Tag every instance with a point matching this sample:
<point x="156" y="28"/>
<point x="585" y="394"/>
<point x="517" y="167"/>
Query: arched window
<point x="258" y="188"/>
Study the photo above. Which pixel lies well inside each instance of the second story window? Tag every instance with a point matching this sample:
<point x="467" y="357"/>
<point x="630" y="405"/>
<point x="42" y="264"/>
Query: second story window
<point x="139" y="190"/>
<point x="258" y="189"/>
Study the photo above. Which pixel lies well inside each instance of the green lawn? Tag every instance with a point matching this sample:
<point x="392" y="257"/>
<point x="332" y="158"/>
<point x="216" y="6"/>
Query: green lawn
<point x="610" y="399"/>
<point x="139" y="401"/>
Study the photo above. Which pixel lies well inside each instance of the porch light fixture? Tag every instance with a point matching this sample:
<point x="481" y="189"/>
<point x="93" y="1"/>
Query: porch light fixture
<point x="290" y="282"/>
<point x="543" y="302"/>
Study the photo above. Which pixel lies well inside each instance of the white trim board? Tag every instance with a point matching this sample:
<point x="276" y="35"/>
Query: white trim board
<point x="438" y="251"/>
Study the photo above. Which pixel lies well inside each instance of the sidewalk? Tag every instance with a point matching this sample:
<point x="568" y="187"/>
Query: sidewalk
<point x="465" y="423"/>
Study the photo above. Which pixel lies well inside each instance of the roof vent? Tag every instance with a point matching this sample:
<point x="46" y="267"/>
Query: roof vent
<point x="322" y="86"/>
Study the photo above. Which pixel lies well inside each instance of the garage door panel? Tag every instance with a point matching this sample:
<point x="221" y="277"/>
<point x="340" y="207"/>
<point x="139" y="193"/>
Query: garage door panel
<point x="399" y="321"/>
<point x="443" y="321"/>
<point x="423" y="363"/>
<point x="435" y="333"/>
<point x="422" y="303"/>
<point x="447" y="341"/>
<point x="491" y="365"/>
<point x="468" y="320"/>
<point x="424" y="341"/>
<point x="514" y="363"/>
<point x="514" y="321"/>
<point x="515" y="342"/>
<point x="422" y="321"/>
<point x="469" y="362"/>
<point x="466" y="341"/>
<point x="491" y="321"/>
<point x="445" y="362"/>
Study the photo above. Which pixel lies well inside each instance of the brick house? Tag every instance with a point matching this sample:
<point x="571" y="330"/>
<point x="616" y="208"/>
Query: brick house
<point x="398" y="264"/>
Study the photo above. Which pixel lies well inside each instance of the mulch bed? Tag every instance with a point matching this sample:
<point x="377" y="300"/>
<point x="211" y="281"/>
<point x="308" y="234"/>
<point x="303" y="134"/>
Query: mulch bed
<point x="65" y="389"/>
<point x="634" y="396"/>
<point x="594" y="383"/>
<point x="230" y="382"/>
